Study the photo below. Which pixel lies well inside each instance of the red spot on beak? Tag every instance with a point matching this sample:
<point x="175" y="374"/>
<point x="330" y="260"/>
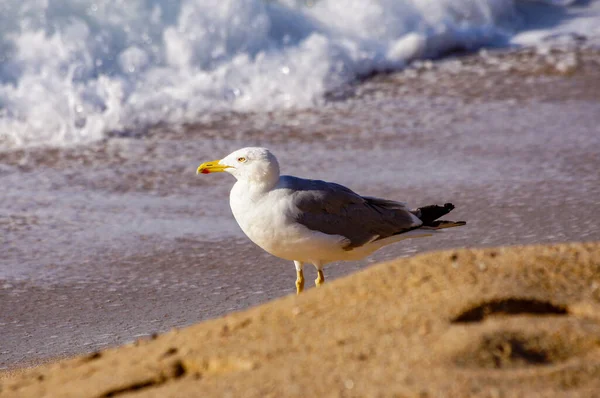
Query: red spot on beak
<point x="205" y="171"/>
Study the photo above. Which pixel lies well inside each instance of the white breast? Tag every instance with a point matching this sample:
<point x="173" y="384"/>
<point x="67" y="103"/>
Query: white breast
<point x="258" y="218"/>
<point x="267" y="218"/>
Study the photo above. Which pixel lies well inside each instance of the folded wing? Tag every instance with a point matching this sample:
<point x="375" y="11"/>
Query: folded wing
<point x="336" y="210"/>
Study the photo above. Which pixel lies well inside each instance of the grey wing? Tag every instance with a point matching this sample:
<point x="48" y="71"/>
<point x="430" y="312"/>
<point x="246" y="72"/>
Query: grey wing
<point x="336" y="210"/>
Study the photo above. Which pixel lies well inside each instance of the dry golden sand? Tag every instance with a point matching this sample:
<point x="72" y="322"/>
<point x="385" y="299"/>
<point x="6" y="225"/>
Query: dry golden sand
<point x="497" y="322"/>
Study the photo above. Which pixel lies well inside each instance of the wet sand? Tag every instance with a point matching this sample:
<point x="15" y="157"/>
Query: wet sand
<point x="107" y="243"/>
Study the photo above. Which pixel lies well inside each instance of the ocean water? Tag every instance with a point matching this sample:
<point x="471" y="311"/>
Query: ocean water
<point x="73" y="71"/>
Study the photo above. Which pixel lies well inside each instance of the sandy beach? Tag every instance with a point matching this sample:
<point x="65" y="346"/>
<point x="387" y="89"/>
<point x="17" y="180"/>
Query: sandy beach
<point x="508" y="322"/>
<point x="114" y="241"/>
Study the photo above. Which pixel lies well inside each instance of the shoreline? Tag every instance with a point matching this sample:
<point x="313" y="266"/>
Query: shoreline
<point x="120" y="239"/>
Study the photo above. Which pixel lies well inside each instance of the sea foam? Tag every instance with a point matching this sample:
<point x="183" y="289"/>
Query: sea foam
<point x="73" y="70"/>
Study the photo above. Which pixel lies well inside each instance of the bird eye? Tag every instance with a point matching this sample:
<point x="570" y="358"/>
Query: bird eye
<point x="241" y="160"/>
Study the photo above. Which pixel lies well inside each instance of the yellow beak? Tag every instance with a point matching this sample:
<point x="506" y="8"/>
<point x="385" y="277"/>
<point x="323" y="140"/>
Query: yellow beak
<point x="211" y="167"/>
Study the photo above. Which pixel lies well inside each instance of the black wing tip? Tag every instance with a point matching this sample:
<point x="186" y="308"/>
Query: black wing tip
<point x="428" y="214"/>
<point x="448" y="206"/>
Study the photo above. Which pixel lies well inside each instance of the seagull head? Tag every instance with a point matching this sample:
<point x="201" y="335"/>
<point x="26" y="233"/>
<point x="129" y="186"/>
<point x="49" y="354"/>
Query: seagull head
<point x="247" y="164"/>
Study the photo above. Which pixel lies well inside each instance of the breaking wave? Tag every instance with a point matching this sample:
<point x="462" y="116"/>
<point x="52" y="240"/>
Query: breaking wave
<point x="73" y="70"/>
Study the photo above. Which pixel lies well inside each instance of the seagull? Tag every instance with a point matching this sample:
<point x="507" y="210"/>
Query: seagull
<point x="314" y="221"/>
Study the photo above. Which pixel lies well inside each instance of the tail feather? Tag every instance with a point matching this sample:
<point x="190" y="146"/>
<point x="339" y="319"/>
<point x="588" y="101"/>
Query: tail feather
<point x="429" y="216"/>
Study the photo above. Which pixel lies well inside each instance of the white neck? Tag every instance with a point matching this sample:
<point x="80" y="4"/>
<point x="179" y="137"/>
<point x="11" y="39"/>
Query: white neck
<point x="257" y="186"/>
